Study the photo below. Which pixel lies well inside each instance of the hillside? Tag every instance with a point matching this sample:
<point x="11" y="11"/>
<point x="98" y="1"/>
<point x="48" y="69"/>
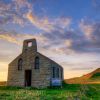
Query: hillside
<point x="96" y="76"/>
<point x="90" y="78"/>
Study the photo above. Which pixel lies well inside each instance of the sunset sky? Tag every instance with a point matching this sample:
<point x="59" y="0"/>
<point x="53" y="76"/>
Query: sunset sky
<point x="67" y="31"/>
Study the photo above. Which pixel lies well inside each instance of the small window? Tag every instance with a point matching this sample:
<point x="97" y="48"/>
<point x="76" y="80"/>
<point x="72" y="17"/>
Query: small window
<point x="57" y="72"/>
<point x="20" y="64"/>
<point x="29" y="44"/>
<point x="53" y="72"/>
<point x="37" y="63"/>
<point x="61" y="73"/>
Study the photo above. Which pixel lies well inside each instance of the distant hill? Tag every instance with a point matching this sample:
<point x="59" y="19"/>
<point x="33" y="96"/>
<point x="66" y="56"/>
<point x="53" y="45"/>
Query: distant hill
<point x="96" y="76"/>
<point x="90" y="78"/>
<point x="3" y="83"/>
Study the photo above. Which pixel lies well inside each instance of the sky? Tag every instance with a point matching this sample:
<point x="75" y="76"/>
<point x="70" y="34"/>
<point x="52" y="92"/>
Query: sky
<point x="67" y="31"/>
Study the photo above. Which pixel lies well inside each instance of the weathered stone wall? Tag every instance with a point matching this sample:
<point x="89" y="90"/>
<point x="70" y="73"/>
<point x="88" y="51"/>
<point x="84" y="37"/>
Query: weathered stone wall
<point x="41" y="77"/>
<point x="15" y="77"/>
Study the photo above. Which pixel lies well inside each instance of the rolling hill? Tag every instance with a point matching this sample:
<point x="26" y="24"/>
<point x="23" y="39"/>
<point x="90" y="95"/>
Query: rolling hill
<point x="90" y="78"/>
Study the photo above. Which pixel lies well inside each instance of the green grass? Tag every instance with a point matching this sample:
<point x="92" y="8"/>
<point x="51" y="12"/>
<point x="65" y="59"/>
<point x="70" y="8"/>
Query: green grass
<point x="84" y="92"/>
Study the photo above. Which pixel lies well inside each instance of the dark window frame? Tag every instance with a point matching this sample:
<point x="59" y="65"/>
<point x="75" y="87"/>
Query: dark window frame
<point x="20" y="64"/>
<point x="37" y="63"/>
<point x="57" y="72"/>
<point x="53" y="72"/>
<point x="61" y="73"/>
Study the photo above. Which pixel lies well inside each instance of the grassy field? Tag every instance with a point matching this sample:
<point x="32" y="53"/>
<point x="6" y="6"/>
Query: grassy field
<point x="67" y="92"/>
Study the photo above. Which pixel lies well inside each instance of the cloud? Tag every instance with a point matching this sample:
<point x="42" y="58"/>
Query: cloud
<point x="44" y="42"/>
<point x="84" y="40"/>
<point x="8" y="37"/>
<point x="43" y="24"/>
<point x="22" y="4"/>
<point x="54" y="30"/>
<point x="96" y="4"/>
<point x="24" y="9"/>
<point x="82" y="62"/>
<point x="17" y="38"/>
<point x="92" y="32"/>
<point x="66" y="42"/>
<point x="63" y="41"/>
<point x="96" y="34"/>
<point x="48" y="25"/>
<point x="82" y="68"/>
<point x="86" y="28"/>
<point x="13" y="12"/>
<point x="63" y="22"/>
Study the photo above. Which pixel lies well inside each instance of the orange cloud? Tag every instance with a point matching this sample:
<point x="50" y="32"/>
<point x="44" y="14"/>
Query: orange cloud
<point x="43" y="24"/>
<point x="8" y="38"/>
<point x="47" y="24"/>
<point x="68" y="43"/>
<point x="17" y="38"/>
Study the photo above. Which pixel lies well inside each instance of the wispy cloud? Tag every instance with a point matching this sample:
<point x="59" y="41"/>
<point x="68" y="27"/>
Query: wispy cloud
<point x="12" y="12"/>
<point x="48" y="25"/>
<point x="69" y="41"/>
<point x="18" y="16"/>
<point x="8" y="36"/>
<point x="92" y="32"/>
<point x="17" y="38"/>
<point x="96" y="4"/>
<point x="86" y="28"/>
<point x="43" y="24"/>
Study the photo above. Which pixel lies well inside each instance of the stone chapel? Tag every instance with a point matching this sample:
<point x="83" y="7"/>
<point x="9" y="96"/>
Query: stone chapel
<point x="33" y="69"/>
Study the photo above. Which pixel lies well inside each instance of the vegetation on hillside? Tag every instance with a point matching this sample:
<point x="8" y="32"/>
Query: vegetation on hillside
<point x="90" y="78"/>
<point x="96" y="75"/>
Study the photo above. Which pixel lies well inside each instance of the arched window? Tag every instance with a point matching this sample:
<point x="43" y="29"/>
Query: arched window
<point x="36" y="62"/>
<point x="20" y="64"/>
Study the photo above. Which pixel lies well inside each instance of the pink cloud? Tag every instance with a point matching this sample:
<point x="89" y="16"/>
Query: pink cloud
<point x="86" y="28"/>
